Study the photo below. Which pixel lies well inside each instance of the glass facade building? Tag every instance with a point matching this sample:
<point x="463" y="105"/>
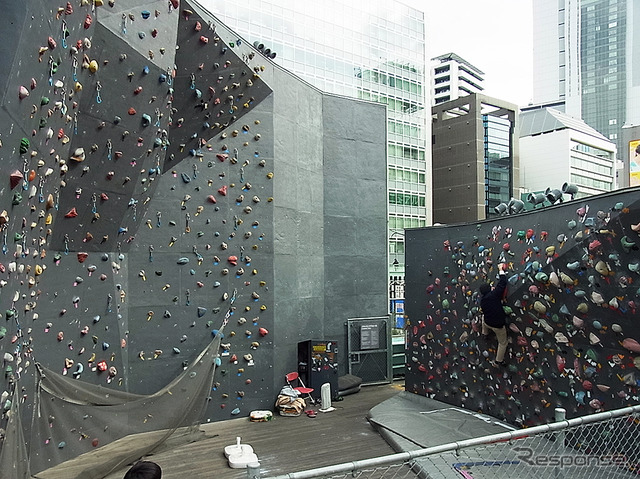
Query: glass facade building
<point x="603" y="32"/>
<point x="583" y="56"/>
<point x="498" y="181"/>
<point x="371" y="50"/>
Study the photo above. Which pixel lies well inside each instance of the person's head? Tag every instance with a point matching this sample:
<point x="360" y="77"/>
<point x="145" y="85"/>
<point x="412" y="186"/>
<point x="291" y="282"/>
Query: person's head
<point x="484" y="288"/>
<point x="144" y="470"/>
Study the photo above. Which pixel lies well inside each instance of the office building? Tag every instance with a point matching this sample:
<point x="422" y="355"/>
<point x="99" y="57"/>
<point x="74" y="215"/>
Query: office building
<point x="452" y="77"/>
<point x="556" y="148"/>
<point x="586" y="53"/>
<point x="475" y="157"/>
<point x="556" y="55"/>
<point x="369" y="50"/>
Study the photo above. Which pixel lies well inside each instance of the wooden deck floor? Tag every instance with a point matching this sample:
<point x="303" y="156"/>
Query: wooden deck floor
<point x="285" y="444"/>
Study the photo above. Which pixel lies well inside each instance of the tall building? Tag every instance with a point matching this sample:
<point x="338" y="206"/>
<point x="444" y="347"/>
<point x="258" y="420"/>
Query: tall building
<point x="452" y="77"/>
<point x="372" y="50"/>
<point x="586" y="53"/>
<point x="556" y="54"/>
<point x="475" y="157"/>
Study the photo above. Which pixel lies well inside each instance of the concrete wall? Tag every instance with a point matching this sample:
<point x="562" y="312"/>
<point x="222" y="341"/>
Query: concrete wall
<point x="545" y="160"/>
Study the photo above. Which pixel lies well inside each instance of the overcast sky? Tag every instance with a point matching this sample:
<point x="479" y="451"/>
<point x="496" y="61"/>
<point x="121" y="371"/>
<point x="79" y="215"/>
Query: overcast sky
<point x="493" y="35"/>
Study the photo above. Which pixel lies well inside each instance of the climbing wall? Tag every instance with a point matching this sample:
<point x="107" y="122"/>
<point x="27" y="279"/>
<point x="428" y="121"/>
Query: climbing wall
<point x="573" y="300"/>
<point x="164" y="181"/>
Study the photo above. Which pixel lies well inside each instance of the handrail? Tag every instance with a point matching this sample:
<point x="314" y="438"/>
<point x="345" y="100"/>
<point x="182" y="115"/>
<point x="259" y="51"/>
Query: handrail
<point x="454" y="446"/>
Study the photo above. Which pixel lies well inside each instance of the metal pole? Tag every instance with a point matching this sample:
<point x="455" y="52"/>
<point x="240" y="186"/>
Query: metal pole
<point x="253" y="470"/>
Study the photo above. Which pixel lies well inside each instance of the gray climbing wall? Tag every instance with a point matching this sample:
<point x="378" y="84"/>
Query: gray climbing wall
<point x="163" y="179"/>
<point x="573" y="299"/>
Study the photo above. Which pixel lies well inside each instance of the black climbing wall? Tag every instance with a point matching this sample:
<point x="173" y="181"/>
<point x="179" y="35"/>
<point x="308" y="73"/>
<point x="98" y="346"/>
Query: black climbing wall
<point x="573" y="299"/>
<point x="161" y="179"/>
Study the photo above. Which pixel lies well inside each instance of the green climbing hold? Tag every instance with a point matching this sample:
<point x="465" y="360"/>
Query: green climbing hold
<point x="542" y="277"/>
<point x="17" y="199"/>
<point x="538" y="373"/>
<point x="591" y="354"/>
<point x="44" y="101"/>
<point x="24" y="145"/>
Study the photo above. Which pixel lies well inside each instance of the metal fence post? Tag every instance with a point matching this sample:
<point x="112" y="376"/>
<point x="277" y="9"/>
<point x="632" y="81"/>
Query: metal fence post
<point x="253" y="470"/>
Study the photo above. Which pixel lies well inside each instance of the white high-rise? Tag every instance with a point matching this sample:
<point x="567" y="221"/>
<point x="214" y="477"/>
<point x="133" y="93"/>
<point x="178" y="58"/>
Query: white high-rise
<point x="452" y="77"/>
<point x="556" y="54"/>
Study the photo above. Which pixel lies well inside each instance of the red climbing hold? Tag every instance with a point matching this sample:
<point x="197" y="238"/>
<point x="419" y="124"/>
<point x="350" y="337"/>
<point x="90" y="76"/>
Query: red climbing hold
<point x="233" y="260"/>
<point x="15" y="178"/>
<point x="82" y="256"/>
<point x="72" y="213"/>
<point x="223" y="190"/>
<point x="198" y="26"/>
<point x="211" y="199"/>
<point x="88" y="21"/>
<point x="263" y="331"/>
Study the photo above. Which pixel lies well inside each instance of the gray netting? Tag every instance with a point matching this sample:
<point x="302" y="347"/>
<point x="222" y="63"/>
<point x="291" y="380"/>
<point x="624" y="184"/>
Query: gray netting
<point x="94" y="430"/>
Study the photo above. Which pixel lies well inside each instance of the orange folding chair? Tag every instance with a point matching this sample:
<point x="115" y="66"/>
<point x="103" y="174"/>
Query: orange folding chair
<point x="294" y="380"/>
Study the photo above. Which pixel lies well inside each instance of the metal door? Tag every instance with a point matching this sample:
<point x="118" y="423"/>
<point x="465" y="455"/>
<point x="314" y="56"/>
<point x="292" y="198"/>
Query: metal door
<point x="369" y="346"/>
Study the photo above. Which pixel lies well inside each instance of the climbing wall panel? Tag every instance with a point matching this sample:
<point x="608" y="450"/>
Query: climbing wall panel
<point x="164" y="182"/>
<point x="573" y="300"/>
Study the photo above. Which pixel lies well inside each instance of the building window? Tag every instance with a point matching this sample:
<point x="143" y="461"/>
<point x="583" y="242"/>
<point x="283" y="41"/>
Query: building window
<point x="497" y="161"/>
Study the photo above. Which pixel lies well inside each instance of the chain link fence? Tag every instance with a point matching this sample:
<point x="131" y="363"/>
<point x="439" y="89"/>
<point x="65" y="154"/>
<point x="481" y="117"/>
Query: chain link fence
<point x="598" y="446"/>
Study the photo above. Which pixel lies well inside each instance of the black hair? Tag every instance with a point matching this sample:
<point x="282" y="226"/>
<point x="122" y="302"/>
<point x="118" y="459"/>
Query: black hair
<point x="484" y="288"/>
<point x="144" y="470"/>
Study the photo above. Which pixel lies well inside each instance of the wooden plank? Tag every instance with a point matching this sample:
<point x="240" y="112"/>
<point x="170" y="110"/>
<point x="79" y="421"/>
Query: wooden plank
<point x="285" y="444"/>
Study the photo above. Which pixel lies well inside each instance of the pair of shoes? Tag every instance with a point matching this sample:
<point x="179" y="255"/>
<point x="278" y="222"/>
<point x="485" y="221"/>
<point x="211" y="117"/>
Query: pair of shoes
<point x="310" y="413"/>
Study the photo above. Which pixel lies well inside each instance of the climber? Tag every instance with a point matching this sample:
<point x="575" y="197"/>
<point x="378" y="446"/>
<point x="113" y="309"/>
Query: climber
<point x="494" y="317"/>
